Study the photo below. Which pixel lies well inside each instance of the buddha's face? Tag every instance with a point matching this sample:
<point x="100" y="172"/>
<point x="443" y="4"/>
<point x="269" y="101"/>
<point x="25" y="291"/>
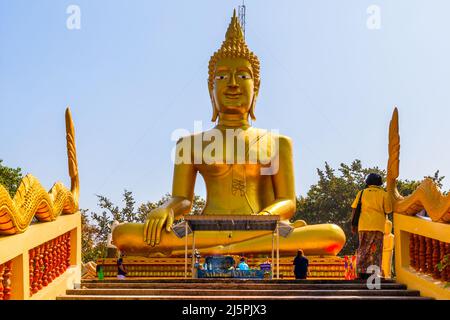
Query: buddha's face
<point x="234" y="88"/>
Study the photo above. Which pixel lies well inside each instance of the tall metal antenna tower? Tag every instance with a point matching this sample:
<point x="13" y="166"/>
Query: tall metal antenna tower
<point x="241" y="14"/>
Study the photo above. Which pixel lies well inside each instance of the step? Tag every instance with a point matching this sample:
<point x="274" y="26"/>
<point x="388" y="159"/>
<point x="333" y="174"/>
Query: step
<point x="212" y="298"/>
<point x="238" y="286"/>
<point x="237" y="289"/>
<point x="227" y="292"/>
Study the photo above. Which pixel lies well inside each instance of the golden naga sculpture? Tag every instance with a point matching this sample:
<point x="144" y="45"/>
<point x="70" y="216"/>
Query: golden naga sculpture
<point x="32" y="200"/>
<point x="236" y="184"/>
<point x="427" y="196"/>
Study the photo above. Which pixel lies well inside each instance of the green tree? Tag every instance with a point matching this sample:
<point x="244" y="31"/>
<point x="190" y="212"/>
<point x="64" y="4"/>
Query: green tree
<point x="443" y="265"/>
<point x="10" y="178"/>
<point x="91" y="249"/>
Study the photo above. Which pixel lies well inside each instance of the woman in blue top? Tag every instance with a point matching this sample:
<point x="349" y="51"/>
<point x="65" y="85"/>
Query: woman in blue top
<point x="242" y="265"/>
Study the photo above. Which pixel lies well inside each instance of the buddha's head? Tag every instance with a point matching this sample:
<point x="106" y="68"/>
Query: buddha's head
<point x="233" y="80"/>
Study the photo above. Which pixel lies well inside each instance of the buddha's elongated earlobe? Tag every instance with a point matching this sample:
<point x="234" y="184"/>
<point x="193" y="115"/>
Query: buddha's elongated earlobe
<point x="252" y="108"/>
<point x="215" y="112"/>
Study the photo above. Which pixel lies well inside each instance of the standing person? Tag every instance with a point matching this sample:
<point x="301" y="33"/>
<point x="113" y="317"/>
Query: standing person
<point x="300" y="265"/>
<point x="375" y="205"/>
<point x="121" y="272"/>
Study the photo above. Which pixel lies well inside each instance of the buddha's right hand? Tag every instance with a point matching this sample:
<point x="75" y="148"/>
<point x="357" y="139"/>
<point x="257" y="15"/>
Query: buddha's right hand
<point x="155" y="222"/>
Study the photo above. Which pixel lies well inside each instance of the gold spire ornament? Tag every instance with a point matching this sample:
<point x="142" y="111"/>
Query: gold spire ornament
<point x="234" y="46"/>
<point x="32" y="200"/>
<point x="427" y="195"/>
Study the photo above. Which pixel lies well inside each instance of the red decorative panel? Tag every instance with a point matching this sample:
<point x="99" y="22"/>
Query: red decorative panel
<point x="412" y="250"/>
<point x="5" y="280"/>
<point x="48" y="261"/>
<point x="426" y="254"/>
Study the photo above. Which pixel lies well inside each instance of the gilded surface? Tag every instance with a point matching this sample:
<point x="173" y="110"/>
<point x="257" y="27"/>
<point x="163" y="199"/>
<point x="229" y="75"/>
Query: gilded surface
<point x="249" y="173"/>
<point x="32" y="200"/>
<point x="427" y="196"/>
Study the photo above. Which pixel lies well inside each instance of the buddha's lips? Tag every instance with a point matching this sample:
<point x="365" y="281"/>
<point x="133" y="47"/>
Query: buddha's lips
<point x="233" y="95"/>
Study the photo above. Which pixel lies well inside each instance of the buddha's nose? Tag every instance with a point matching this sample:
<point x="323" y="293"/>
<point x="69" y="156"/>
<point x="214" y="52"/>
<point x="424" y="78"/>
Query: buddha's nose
<point x="232" y="82"/>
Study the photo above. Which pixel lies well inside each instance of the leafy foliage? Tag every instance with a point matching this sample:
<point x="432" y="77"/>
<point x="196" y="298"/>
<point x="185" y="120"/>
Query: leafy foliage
<point x="91" y="248"/>
<point x="10" y="178"/>
<point x="443" y="265"/>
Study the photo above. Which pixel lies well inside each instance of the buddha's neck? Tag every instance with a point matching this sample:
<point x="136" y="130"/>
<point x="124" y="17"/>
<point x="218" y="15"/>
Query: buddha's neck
<point x="227" y="120"/>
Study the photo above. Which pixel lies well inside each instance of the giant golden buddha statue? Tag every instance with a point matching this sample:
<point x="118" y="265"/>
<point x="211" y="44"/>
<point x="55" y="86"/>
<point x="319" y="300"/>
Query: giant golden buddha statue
<point x="247" y="171"/>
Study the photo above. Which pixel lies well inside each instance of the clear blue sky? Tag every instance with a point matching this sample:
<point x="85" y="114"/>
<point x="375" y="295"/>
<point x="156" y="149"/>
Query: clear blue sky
<point x="137" y="70"/>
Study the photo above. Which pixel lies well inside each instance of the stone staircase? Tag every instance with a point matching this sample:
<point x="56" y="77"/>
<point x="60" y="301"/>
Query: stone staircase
<point x="226" y="289"/>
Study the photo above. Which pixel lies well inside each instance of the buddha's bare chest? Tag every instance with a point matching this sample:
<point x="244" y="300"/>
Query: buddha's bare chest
<point x="249" y="151"/>
<point x="229" y="171"/>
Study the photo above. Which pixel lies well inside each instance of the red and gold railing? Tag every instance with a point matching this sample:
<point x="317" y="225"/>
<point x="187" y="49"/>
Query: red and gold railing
<point x="48" y="261"/>
<point x="42" y="262"/>
<point x="425" y="255"/>
<point x="420" y="246"/>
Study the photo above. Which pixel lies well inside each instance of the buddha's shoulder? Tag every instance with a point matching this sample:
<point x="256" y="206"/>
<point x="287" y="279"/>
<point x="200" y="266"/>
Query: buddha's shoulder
<point x="283" y="140"/>
<point x="190" y="138"/>
<point x="204" y="135"/>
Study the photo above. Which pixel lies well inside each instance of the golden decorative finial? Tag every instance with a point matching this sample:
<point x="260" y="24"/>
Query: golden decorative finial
<point x="234" y="31"/>
<point x="72" y="157"/>
<point x="234" y="46"/>
<point x="427" y="195"/>
<point x="394" y="154"/>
